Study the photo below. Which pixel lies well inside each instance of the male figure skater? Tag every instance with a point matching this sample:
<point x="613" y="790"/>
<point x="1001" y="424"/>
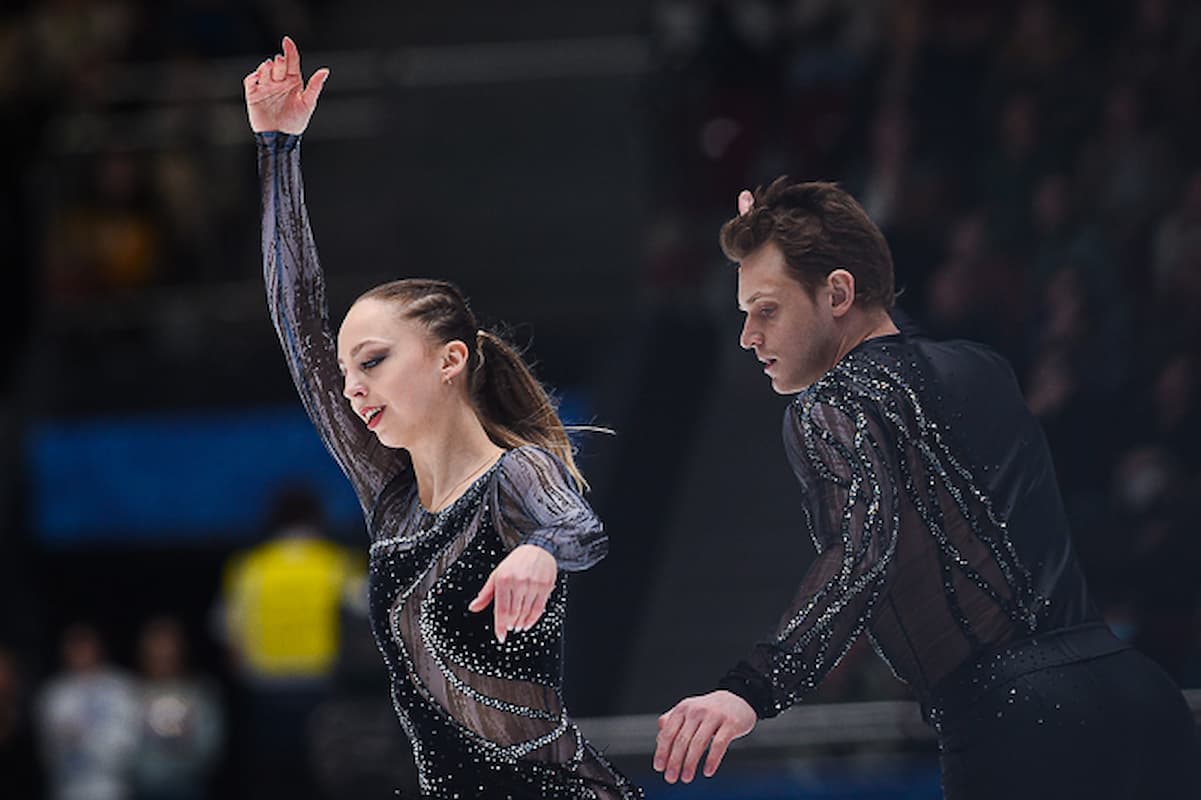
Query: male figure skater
<point x="930" y="494"/>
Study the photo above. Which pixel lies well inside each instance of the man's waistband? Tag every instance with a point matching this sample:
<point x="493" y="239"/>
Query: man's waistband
<point x="968" y="684"/>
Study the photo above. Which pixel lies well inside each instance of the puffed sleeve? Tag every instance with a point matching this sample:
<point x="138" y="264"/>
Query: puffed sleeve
<point x="537" y="503"/>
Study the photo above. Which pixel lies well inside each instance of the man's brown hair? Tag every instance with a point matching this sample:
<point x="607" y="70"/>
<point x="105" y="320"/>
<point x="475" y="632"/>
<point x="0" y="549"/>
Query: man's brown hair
<point x="819" y="228"/>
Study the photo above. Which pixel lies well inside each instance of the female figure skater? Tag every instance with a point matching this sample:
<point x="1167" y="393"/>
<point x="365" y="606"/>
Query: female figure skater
<point x="466" y="479"/>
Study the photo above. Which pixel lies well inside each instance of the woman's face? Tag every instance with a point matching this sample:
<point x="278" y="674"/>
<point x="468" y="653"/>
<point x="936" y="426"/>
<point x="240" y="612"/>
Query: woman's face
<point x="395" y="376"/>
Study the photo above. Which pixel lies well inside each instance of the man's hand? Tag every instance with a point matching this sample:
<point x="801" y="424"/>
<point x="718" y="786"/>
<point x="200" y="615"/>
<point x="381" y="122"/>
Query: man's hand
<point x="710" y="721"/>
<point x="520" y="586"/>
<point x="276" y="97"/>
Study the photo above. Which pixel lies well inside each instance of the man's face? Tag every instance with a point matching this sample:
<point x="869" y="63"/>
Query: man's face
<point x="793" y="335"/>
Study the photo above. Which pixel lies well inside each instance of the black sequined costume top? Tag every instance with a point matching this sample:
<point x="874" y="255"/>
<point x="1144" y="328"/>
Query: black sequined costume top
<point x="485" y="719"/>
<point x="929" y="492"/>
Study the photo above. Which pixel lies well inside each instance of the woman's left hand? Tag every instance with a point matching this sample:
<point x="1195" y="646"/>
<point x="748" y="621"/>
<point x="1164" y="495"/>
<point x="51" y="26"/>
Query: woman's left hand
<point x="518" y="588"/>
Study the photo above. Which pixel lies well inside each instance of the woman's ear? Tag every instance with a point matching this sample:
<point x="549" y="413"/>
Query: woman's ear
<point x="454" y="360"/>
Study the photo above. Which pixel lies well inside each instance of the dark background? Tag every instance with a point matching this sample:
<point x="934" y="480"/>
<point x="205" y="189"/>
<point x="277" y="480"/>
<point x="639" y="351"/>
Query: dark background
<point x="1033" y="164"/>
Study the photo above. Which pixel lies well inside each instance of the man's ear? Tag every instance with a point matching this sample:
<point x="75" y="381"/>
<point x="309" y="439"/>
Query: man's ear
<point x="842" y="291"/>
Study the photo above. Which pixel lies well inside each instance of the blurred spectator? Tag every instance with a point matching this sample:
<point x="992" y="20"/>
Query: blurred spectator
<point x="1076" y="365"/>
<point x="87" y="720"/>
<point x="886" y="188"/>
<point x="972" y="293"/>
<point x="1010" y="170"/>
<point x="281" y="603"/>
<point x="74" y="45"/>
<point x="20" y="765"/>
<point x="1174" y="405"/>
<point x="1157" y="505"/>
<point x="112" y="239"/>
<point x="182" y="725"/>
<point x="1127" y="167"/>
<point x="1061" y="235"/>
<point x="1177" y="246"/>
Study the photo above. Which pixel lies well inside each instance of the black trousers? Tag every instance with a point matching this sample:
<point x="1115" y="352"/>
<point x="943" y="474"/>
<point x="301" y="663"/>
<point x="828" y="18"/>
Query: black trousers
<point x="1071" y="714"/>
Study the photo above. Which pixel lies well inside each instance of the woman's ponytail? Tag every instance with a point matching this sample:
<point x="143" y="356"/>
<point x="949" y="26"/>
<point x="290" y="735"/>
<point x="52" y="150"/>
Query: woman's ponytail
<point x="513" y="406"/>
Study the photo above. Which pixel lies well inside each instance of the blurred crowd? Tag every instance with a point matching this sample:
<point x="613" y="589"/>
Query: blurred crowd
<point x="296" y="708"/>
<point x="1033" y="164"/>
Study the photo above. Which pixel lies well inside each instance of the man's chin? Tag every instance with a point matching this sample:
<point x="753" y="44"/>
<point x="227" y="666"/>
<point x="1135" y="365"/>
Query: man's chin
<point x="787" y="387"/>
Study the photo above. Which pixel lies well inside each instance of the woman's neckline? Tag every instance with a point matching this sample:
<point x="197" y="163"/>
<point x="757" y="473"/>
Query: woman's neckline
<point x="451" y="503"/>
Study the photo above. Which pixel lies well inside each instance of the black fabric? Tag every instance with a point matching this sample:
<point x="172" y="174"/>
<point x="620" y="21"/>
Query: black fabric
<point x="965" y="686"/>
<point x="1113" y="727"/>
<point x="930" y="494"/>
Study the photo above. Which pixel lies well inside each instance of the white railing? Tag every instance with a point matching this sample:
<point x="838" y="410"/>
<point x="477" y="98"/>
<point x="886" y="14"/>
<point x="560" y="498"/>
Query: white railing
<point x="867" y="724"/>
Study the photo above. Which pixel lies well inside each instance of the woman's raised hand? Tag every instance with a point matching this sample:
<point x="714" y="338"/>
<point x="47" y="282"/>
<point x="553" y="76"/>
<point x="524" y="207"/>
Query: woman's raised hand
<point x="276" y="96"/>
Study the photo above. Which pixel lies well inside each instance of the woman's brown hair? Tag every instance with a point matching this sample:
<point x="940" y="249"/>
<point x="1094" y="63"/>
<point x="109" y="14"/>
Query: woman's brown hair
<point x="513" y="406"/>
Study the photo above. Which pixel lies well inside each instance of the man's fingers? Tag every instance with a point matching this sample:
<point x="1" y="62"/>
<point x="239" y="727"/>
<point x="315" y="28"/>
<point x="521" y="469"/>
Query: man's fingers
<point x="669" y="725"/>
<point x="313" y="90"/>
<point x="291" y="56"/>
<point x="700" y="740"/>
<point x="679" y="748"/>
<point x="717" y="751"/>
<point x="485" y="596"/>
<point x="279" y="68"/>
<point x="263" y="73"/>
<point x="746" y="201"/>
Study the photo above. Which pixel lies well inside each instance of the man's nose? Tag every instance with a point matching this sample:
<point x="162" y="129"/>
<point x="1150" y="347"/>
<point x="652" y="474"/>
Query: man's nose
<point x="748" y="338"/>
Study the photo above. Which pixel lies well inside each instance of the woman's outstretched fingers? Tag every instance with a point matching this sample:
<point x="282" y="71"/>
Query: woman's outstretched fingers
<point x="313" y="90"/>
<point x="537" y="610"/>
<point x="503" y="610"/>
<point x="521" y="607"/>
<point x="291" y="56"/>
<point x="746" y="201"/>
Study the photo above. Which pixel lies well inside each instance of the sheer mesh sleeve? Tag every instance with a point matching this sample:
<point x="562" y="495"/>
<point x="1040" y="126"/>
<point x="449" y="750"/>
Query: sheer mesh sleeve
<point x="848" y="474"/>
<point x="296" y="299"/>
<point x="537" y="503"/>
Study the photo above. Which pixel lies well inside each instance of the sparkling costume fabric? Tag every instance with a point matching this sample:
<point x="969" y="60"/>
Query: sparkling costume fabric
<point x="937" y="556"/>
<point x="930" y="494"/>
<point x="484" y="719"/>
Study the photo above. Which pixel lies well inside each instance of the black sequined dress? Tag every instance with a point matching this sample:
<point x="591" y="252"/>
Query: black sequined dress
<point x="484" y="719"/>
<point x="930" y="494"/>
